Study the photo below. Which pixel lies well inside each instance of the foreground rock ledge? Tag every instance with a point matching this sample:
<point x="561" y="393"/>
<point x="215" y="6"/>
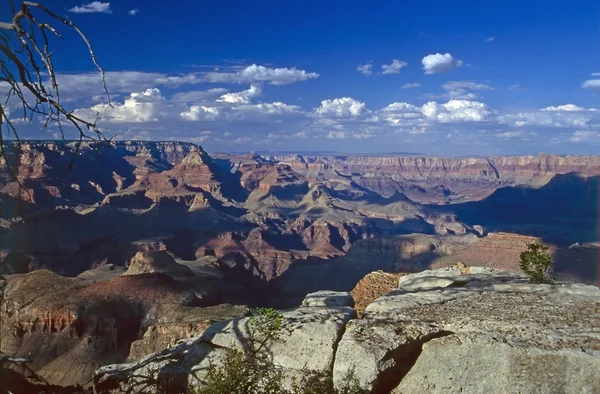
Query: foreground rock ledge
<point x="442" y="331"/>
<point x="310" y="336"/>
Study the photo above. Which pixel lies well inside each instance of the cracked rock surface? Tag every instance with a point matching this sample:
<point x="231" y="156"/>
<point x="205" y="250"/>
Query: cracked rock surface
<point x="452" y="330"/>
<point x="443" y="331"/>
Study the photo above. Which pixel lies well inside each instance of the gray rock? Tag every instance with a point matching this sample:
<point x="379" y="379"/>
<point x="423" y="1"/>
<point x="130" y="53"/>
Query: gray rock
<point x="451" y="330"/>
<point x="308" y="343"/>
<point x="328" y="299"/>
<point x="443" y="331"/>
<point x="455" y="364"/>
<point x="479" y="230"/>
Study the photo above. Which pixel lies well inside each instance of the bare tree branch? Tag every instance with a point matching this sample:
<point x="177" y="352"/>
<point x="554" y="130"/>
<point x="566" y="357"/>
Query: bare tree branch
<point x="27" y="69"/>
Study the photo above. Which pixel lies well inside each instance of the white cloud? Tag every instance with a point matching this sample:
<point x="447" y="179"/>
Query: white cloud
<point x="411" y="85"/>
<point x="393" y="68"/>
<point x="134" y="12"/>
<point x="585" y="136"/>
<point x="490" y="39"/>
<point x="459" y="90"/>
<point x="339" y="135"/>
<point x="146" y="106"/>
<point x="457" y="111"/>
<point x="562" y="116"/>
<point x="438" y="63"/>
<point x="299" y="135"/>
<point x="510" y="134"/>
<point x="366" y="69"/>
<point x="200" y="112"/>
<point x="242" y="97"/>
<point x="196" y="96"/>
<point x="256" y="73"/>
<point x="93" y="7"/>
<point x="345" y="107"/>
<point x="276" y="108"/>
<point x="85" y="86"/>
<point x="566" y="107"/>
<point x="455" y="85"/>
<point x="592" y="84"/>
<point x="401" y="107"/>
<point x="160" y="112"/>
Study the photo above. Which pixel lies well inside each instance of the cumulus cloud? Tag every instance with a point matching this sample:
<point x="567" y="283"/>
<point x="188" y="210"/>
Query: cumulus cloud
<point x="200" y="112"/>
<point x="134" y="12"/>
<point x="562" y="116"/>
<point x="411" y="85"/>
<point x="196" y="96"/>
<point x="256" y="73"/>
<point x="394" y="67"/>
<point x="366" y="69"/>
<point x="404" y="114"/>
<point x="146" y="106"/>
<point x="438" y="63"/>
<point x="345" y="107"/>
<point x="93" y="7"/>
<point x="173" y="107"/>
<point x="84" y="86"/>
<point x="585" y="136"/>
<point x="457" y="111"/>
<point x="276" y="108"/>
<point x="566" y="107"/>
<point x="242" y="97"/>
<point x="332" y="135"/>
<point x="592" y="84"/>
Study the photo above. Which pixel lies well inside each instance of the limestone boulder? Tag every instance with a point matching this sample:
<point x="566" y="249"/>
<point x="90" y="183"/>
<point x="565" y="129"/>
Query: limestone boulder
<point x="307" y="344"/>
<point x="328" y="299"/>
<point x="477" y="330"/>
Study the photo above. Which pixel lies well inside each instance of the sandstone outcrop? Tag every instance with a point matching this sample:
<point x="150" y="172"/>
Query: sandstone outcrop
<point x="443" y="179"/>
<point x="373" y="286"/>
<point x="70" y="327"/>
<point x="157" y="262"/>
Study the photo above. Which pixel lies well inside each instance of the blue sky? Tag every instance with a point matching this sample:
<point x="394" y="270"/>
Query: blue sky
<point x="463" y="77"/>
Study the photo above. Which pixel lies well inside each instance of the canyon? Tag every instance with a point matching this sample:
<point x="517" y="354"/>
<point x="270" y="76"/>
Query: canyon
<point x="114" y="252"/>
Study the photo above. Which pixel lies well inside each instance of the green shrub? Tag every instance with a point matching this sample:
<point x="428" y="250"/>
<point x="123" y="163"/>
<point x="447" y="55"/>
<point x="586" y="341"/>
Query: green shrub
<point x="252" y="371"/>
<point x="536" y="263"/>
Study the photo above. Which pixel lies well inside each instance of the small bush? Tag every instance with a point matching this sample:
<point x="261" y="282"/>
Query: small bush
<point x="252" y="371"/>
<point x="536" y="262"/>
<point x="241" y="374"/>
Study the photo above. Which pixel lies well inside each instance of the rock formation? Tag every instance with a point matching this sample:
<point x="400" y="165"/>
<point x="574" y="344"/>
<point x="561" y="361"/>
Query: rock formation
<point x="156" y="262"/>
<point x="69" y="326"/>
<point x="467" y="329"/>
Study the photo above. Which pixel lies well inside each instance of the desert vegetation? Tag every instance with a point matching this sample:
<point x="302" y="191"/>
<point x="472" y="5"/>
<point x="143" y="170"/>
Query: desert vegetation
<point x="252" y="371"/>
<point x="536" y="263"/>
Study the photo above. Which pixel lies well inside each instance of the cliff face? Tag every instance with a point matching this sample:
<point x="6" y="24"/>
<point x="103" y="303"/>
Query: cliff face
<point x="501" y="169"/>
<point x="437" y="179"/>
<point x="59" y="173"/>
<point x="440" y="331"/>
<point x="69" y="327"/>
